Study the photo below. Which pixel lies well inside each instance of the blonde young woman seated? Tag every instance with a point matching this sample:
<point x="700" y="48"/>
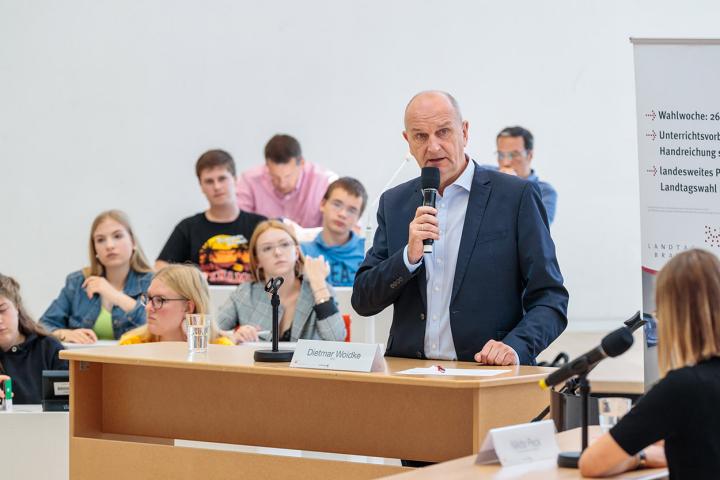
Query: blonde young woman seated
<point x="307" y="308"/>
<point x="676" y="423"/>
<point x="102" y="301"/>
<point x="175" y="291"/>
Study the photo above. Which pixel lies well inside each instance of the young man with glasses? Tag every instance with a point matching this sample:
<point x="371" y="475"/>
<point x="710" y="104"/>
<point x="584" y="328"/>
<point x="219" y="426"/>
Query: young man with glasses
<point x="217" y="240"/>
<point x="341" y="207"/>
<point x="514" y="154"/>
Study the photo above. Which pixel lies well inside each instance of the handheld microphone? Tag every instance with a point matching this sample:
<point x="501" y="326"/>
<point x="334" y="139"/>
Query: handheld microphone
<point x="615" y="343"/>
<point x="430" y="179"/>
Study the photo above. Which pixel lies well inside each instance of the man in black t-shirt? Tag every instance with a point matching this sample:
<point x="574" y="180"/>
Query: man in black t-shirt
<point x="218" y="239"/>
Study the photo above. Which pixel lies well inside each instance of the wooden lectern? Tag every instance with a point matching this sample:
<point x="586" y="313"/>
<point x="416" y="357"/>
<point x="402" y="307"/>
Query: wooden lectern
<point x="129" y="403"/>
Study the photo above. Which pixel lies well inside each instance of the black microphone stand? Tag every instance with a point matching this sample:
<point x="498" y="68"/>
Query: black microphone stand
<point x="571" y="459"/>
<point x="274" y="355"/>
<point x="581" y="385"/>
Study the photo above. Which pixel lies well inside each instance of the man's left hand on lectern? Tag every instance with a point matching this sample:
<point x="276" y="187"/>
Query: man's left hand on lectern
<point x="497" y="353"/>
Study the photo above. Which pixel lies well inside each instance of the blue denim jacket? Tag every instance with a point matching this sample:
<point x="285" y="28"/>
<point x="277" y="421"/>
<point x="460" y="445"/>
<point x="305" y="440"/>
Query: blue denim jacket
<point x="73" y="308"/>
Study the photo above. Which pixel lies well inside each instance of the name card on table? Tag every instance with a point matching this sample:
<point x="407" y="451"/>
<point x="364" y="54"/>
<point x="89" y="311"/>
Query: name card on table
<point x="351" y="357"/>
<point x="519" y="444"/>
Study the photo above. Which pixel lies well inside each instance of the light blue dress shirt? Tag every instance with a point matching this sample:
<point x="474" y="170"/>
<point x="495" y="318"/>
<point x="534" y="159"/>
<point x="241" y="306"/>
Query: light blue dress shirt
<point x="547" y="192"/>
<point x="440" y="265"/>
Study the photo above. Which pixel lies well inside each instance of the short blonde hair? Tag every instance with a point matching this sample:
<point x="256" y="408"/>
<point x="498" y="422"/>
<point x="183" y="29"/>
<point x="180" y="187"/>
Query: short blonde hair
<point x="687" y="296"/>
<point x="138" y="261"/>
<point x="262" y="227"/>
<point x="188" y="282"/>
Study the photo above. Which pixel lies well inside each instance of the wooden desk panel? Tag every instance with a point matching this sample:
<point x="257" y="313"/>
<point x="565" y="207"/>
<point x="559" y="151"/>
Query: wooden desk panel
<point x="112" y="459"/>
<point x="291" y="412"/>
<point x="147" y="393"/>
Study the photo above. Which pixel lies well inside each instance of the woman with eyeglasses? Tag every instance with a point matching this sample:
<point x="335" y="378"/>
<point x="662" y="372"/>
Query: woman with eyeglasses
<point x="175" y="291"/>
<point x="102" y="301"/>
<point x="681" y="409"/>
<point x="307" y="308"/>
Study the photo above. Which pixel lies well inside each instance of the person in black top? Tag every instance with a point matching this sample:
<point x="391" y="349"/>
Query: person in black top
<point x="217" y="239"/>
<point x="678" y="417"/>
<point x="26" y="349"/>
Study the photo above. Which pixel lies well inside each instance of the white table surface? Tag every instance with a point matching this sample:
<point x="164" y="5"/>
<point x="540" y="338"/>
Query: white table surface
<point x="34" y="444"/>
<point x="99" y="343"/>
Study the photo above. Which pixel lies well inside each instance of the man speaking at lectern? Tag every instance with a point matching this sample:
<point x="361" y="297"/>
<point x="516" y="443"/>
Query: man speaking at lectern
<point x="491" y="290"/>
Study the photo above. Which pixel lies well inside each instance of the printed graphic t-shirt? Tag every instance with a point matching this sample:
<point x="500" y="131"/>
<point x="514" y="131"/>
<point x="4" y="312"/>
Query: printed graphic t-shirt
<point x="219" y="249"/>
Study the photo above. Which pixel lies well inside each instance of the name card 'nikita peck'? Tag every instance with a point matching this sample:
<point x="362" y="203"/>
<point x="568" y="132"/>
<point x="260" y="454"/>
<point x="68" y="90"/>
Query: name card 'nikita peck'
<point x="519" y="444"/>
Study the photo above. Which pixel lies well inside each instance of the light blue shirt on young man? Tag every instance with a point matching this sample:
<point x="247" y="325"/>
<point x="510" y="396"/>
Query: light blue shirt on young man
<point x="440" y="265"/>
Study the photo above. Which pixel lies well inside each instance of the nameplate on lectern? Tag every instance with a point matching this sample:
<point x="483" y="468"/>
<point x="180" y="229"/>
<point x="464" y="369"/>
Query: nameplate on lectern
<point x="350" y="357"/>
<point x="519" y="444"/>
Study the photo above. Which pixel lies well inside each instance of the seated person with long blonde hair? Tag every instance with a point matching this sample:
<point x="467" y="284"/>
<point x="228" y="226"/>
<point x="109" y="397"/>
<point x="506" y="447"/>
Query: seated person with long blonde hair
<point x="681" y="409"/>
<point x="307" y="308"/>
<point x="102" y="301"/>
<point x="175" y="291"/>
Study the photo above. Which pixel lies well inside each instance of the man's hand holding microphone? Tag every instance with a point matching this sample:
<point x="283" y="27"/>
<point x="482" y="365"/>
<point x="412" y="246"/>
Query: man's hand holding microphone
<point x="423" y="227"/>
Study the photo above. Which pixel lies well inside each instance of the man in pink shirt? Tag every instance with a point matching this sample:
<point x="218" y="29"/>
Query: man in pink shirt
<point x="286" y="186"/>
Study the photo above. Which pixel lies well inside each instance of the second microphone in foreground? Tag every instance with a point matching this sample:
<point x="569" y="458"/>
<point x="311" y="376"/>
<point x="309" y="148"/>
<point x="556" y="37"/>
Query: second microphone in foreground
<point x="613" y="344"/>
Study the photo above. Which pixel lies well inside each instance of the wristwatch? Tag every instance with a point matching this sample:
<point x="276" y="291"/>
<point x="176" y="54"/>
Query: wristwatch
<point x="642" y="459"/>
<point x="322" y="300"/>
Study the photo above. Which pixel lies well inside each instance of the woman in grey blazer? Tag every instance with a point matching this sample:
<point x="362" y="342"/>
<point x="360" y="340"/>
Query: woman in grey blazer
<point x="307" y="308"/>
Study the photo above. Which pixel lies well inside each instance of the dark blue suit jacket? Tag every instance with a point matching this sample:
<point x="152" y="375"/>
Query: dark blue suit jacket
<point x="507" y="284"/>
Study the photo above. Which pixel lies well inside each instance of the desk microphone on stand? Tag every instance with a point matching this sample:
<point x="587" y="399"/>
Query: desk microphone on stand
<point x="274" y="355"/>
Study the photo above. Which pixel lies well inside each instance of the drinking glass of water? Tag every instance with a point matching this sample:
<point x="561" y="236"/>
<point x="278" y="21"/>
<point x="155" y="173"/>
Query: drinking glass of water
<point x="198" y="331"/>
<point x="611" y="410"/>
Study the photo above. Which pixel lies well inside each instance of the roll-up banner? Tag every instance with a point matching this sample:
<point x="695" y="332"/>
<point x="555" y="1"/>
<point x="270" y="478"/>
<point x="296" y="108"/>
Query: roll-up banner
<point x="677" y="84"/>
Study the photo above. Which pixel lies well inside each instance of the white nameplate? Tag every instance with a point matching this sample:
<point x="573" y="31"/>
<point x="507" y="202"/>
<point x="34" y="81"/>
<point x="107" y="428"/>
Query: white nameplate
<point x="519" y="444"/>
<point x="61" y="388"/>
<point x="351" y="357"/>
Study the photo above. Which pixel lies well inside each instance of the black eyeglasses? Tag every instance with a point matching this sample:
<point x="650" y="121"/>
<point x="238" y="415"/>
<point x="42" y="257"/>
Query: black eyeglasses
<point x="157" y="301"/>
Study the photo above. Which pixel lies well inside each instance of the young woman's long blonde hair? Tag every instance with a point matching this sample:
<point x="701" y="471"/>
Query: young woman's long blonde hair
<point x="687" y="297"/>
<point x="188" y="282"/>
<point x="138" y="261"/>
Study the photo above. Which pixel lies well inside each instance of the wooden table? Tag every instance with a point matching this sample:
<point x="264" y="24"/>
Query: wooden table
<point x="128" y="403"/>
<point x="465" y="468"/>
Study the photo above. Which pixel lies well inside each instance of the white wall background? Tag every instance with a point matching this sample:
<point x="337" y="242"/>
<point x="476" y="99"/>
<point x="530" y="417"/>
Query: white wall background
<point x="107" y="104"/>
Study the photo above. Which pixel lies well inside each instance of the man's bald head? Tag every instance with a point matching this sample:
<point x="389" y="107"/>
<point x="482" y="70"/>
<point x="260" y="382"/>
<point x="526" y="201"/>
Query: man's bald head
<point x="436" y="134"/>
<point x="426" y="96"/>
